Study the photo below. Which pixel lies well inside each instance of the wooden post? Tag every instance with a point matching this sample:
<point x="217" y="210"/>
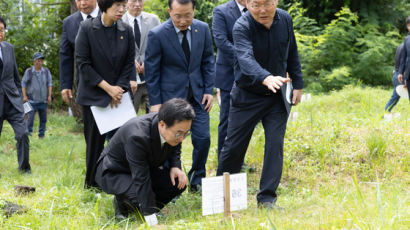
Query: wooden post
<point x="227" y="195"/>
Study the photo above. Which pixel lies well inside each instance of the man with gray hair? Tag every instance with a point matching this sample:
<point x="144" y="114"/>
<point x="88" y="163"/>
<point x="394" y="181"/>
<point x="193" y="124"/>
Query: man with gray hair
<point x="265" y="50"/>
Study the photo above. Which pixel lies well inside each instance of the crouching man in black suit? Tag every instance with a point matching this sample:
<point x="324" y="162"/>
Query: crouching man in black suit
<point x="141" y="164"/>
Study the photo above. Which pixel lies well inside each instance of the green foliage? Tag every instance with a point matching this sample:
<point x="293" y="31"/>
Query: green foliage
<point x="376" y="144"/>
<point x="36" y="28"/>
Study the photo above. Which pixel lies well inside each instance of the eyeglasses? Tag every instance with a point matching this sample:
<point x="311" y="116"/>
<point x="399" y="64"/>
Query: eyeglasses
<point x="135" y="1"/>
<point x="260" y="6"/>
<point x="180" y="135"/>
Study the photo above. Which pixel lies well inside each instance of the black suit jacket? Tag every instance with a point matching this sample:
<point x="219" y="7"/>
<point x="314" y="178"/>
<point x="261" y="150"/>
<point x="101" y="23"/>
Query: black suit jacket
<point x="405" y="59"/>
<point x="67" y="45"/>
<point x="10" y="84"/>
<point x="96" y="61"/>
<point x="134" y="149"/>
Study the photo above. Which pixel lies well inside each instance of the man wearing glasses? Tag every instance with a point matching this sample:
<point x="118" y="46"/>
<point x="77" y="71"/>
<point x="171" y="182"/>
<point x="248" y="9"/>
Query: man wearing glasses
<point x="265" y="49"/>
<point x="141" y="23"/>
<point x="179" y="63"/>
<point x="141" y="164"/>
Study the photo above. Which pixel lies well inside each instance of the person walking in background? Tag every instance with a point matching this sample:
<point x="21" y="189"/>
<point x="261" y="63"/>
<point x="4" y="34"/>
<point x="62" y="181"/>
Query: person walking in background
<point x="37" y="86"/>
<point x="141" y="22"/>
<point x="179" y="63"/>
<point x="86" y="9"/>
<point x="265" y="49"/>
<point x="11" y="101"/>
<point x="105" y="51"/>
<point x="404" y="70"/>
<point x="394" y="99"/>
<point x="224" y="18"/>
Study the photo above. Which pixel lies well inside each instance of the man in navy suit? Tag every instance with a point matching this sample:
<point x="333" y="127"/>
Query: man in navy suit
<point x="86" y="9"/>
<point x="179" y="63"/>
<point x="11" y="101"/>
<point x="224" y="18"/>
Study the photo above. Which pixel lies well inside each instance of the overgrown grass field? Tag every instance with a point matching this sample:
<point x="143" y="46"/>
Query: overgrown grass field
<point x="344" y="168"/>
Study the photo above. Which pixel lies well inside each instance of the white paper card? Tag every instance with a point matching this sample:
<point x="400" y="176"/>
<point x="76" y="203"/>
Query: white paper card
<point x="289" y="92"/>
<point x="27" y="107"/>
<point x="402" y="91"/>
<point x="213" y="194"/>
<point x="151" y="220"/>
<point x="108" y="118"/>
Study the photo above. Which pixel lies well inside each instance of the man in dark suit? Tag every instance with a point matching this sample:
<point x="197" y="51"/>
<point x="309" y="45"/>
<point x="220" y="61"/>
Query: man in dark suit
<point x="132" y="165"/>
<point x="11" y="101"/>
<point x="86" y="9"/>
<point x="265" y="50"/>
<point x="404" y="71"/>
<point x="179" y="62"/>
<point x="224" y="17"/>
<point x="105" y="51"/>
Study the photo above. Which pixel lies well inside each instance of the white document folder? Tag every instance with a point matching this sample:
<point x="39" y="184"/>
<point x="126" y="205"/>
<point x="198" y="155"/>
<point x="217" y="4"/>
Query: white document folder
<point x="108" y="118"/>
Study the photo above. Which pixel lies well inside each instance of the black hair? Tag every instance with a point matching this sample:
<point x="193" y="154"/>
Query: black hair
<point x="104" y="5"/>
<point x="408" y="20"/>
<point x="182" y="2"/>
<point x="176" y="110"/>
<point x="3" y="21"/>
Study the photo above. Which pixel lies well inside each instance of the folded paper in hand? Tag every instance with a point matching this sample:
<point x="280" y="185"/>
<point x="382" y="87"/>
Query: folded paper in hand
<point x="108" y="118"/>
<point x="402" y="91"/>
<point x="27" y="107"/>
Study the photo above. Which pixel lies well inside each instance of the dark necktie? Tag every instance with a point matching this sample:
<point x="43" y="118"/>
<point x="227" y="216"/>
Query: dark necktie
<point x="89" y="16"/>
<point x="1" y="66"/>
<point x="185" y="45"/>
<point x="244" y="10"/>
<point x="137" y="33"/>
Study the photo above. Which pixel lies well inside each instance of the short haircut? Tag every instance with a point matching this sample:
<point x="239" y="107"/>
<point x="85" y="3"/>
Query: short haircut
<point x="104" y="5"/>
<point x="408" y="20"/>
<point x="182" y="2"/>
<point x="176" y="110"/>
<point x="3" y="21"/>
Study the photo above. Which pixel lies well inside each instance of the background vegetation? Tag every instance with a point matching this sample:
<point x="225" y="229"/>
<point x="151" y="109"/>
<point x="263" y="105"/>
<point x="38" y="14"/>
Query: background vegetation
<point x="344" y="168"/>
<point x="340" y="42"/>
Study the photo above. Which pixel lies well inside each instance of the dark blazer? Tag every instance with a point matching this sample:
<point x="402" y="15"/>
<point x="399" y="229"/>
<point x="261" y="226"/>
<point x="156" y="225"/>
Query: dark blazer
<point x="134" y="149"/>
<point x="67" y="45"/>
<point x="405" y="59"/>
<point x="167" y="71"/>
<point x="10" y="84"/>
<point x="97" y="62"/>
<point x="224" y="17"/>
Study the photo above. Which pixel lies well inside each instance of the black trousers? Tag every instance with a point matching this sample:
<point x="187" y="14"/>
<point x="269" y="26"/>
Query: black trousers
<point x="247" y="110"/>
<point x="162" y="187"/>
<point x="17" y="121"/>
<point x="94" y="146"/>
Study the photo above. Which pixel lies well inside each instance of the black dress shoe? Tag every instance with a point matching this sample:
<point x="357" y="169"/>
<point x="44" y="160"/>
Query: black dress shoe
<point x="25" y="171"/>
<point x="120" y="210"/>
<point x="195" y="188"/>
<point x="270" y="206"/>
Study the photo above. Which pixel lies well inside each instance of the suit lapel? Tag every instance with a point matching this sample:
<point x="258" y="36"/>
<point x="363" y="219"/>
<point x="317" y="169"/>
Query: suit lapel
<point x="235" y="10"/>
<point x="144" y="29"/>
<point x="195" y="42"/>
<point x="156" y="140"/>
<point x="102" y="39"/>
<point x="173" y="38"/>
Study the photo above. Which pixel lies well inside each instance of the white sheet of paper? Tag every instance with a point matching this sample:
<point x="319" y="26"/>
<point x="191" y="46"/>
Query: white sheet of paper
<point x="27" y="107"/>
<point x="151" y="220"/>
<point x="288" y="92"/>
<point x="108" y="118"/>
<point x="213" y="194"/>
<point x="402" y="91"/>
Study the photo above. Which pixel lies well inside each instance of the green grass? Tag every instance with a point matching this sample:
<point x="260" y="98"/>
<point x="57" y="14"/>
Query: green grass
<point x="344" y="168"/>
